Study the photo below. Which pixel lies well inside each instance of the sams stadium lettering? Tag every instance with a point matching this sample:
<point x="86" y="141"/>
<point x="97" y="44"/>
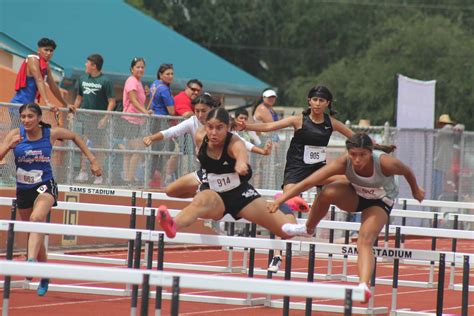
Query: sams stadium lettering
<point x="91" y="191"/>
<point x="380" y="252"/>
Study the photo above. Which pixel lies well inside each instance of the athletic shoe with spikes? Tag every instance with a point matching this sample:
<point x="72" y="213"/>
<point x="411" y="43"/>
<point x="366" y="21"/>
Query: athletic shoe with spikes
<point x="166" y="221"/>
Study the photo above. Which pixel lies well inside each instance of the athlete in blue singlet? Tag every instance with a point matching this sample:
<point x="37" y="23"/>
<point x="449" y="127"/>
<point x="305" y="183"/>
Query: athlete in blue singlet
<point x="36" y="189"/>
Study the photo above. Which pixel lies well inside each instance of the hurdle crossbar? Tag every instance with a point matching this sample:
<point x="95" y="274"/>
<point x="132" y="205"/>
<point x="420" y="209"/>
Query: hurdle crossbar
<point x="437" y="204"/>
<point x="187" y="280"/>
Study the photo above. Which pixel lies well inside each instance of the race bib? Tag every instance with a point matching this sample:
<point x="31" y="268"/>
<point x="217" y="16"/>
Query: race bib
<point x="29" y="177"/>
<point x="314" y="154"/>
<point x="369" y="193"/>
<point x="223" y="182"/>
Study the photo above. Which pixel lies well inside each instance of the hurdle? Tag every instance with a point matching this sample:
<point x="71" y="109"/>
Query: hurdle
<point x="418" y="231"/>
<point x="187" y="238"/>
<point x="419" y="255"/>
<point x="437" y="204"/>
<point x="186" y="280"/>
<point x="132" y="210"/>
<point x="61" y="229"/>
<point x="456" y="218"/>
<point x="148" y="236"/>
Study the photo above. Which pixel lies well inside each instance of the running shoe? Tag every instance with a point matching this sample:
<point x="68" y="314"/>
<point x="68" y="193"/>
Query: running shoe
<point x="298" y="204"/>
<point x="98" y="180"/>
<point x="296" y="230"/>
<point x="82" y="176"/>
<point x="275" y="264"/>
<point x="367" y="292"/>
<point x="42" y="287"/>
<point x="166" y="221"/>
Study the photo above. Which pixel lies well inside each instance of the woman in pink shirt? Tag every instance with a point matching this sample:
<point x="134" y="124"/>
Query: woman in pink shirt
<point x="134" y="99"/>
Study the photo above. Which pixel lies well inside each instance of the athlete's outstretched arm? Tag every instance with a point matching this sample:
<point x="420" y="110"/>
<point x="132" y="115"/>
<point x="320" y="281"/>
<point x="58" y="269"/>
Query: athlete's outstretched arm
<point x="341" y="128"/>
<point x="237" y="150"/>
<point x="265" y="151"/>
<point x="62" y="134"/>
<point x="180" y="129"/>
<point x="271" y="126"/>
<point x="393" y="166"/>
<point x="9" y="142"/>
<point x="336" y="167"/>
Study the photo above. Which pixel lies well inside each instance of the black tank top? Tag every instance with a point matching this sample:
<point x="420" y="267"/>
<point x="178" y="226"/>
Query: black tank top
<point x="225" y="164"/>
<point x="311" y="134"/>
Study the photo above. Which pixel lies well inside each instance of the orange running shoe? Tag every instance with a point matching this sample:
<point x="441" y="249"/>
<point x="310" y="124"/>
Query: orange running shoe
<point x="298" y="204"/>
<point x="166" y="221"/>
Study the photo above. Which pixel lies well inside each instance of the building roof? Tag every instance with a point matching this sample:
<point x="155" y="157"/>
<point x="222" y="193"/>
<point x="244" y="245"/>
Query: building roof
<point x="119" y="32"/>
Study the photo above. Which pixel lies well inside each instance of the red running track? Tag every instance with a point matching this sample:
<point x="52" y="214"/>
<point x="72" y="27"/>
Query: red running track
<point x="25" y="302"/>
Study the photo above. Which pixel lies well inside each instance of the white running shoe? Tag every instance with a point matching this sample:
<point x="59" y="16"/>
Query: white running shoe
<point x="98" y="180"/>
<point x="275" y="264"/>
<point x="367" y="292"/>
<point x="296" y="230"/>
<point x="82" y="176"/>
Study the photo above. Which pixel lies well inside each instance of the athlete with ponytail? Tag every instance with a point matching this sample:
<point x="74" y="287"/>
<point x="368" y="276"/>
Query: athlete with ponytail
<point x="307" y="151"/>
<point x="371" y="189"/>
<point x="36" y="190"/>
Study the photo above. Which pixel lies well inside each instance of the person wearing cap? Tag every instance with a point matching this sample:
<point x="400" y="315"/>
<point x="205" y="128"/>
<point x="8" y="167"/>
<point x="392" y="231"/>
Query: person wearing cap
<point x="443" y="154"/>
<point x="263" y="112"/>
<point x="307" y="151"/>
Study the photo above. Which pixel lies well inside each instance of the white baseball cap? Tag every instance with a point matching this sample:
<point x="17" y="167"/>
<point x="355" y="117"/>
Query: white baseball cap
<point x="269" y="93"/>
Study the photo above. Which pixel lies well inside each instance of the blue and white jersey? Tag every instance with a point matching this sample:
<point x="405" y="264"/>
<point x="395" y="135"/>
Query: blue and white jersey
<point x="33" y="160"/>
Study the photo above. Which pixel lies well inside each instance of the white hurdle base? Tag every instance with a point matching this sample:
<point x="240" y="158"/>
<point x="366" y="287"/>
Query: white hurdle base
<point x="64" y="288"/>
<point x="458" y="287"/>
<point x="330" y="308"/>
<point x="90" y="259"/>
<point x="407" y="312"/>
<point x="13" y="284"/>
<point x="213" y="299"/>
<point x="352" y="279"/>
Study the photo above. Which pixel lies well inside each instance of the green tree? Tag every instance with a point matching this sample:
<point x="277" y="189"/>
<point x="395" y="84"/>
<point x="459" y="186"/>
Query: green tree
<point x="355" y="47"/>
<point x="424" y="47"/>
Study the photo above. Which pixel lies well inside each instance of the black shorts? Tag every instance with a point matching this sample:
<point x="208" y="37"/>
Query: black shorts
<point x="26" y="198"/>
<point x="236" y="199"/>
<point x="295" y="174"/>
<point x="366" y="203"/>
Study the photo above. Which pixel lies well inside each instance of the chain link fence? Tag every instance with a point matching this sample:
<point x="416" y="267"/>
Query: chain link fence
<point x="444" y="165"/>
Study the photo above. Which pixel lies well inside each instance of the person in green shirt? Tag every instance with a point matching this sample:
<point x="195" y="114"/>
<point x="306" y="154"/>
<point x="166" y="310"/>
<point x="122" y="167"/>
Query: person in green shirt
<point x="95" y="91"/>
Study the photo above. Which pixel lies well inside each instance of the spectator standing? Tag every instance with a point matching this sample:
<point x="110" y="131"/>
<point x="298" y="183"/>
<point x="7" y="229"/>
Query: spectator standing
<point x="183" y="100"/>
<point x="443" y="154"/>
<point x="263" y="112"/>
<point x="162" y="103"/>
<point x="134" y="100"/>
<point x="31" y="79"/>
<point x="95" y="91"/>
